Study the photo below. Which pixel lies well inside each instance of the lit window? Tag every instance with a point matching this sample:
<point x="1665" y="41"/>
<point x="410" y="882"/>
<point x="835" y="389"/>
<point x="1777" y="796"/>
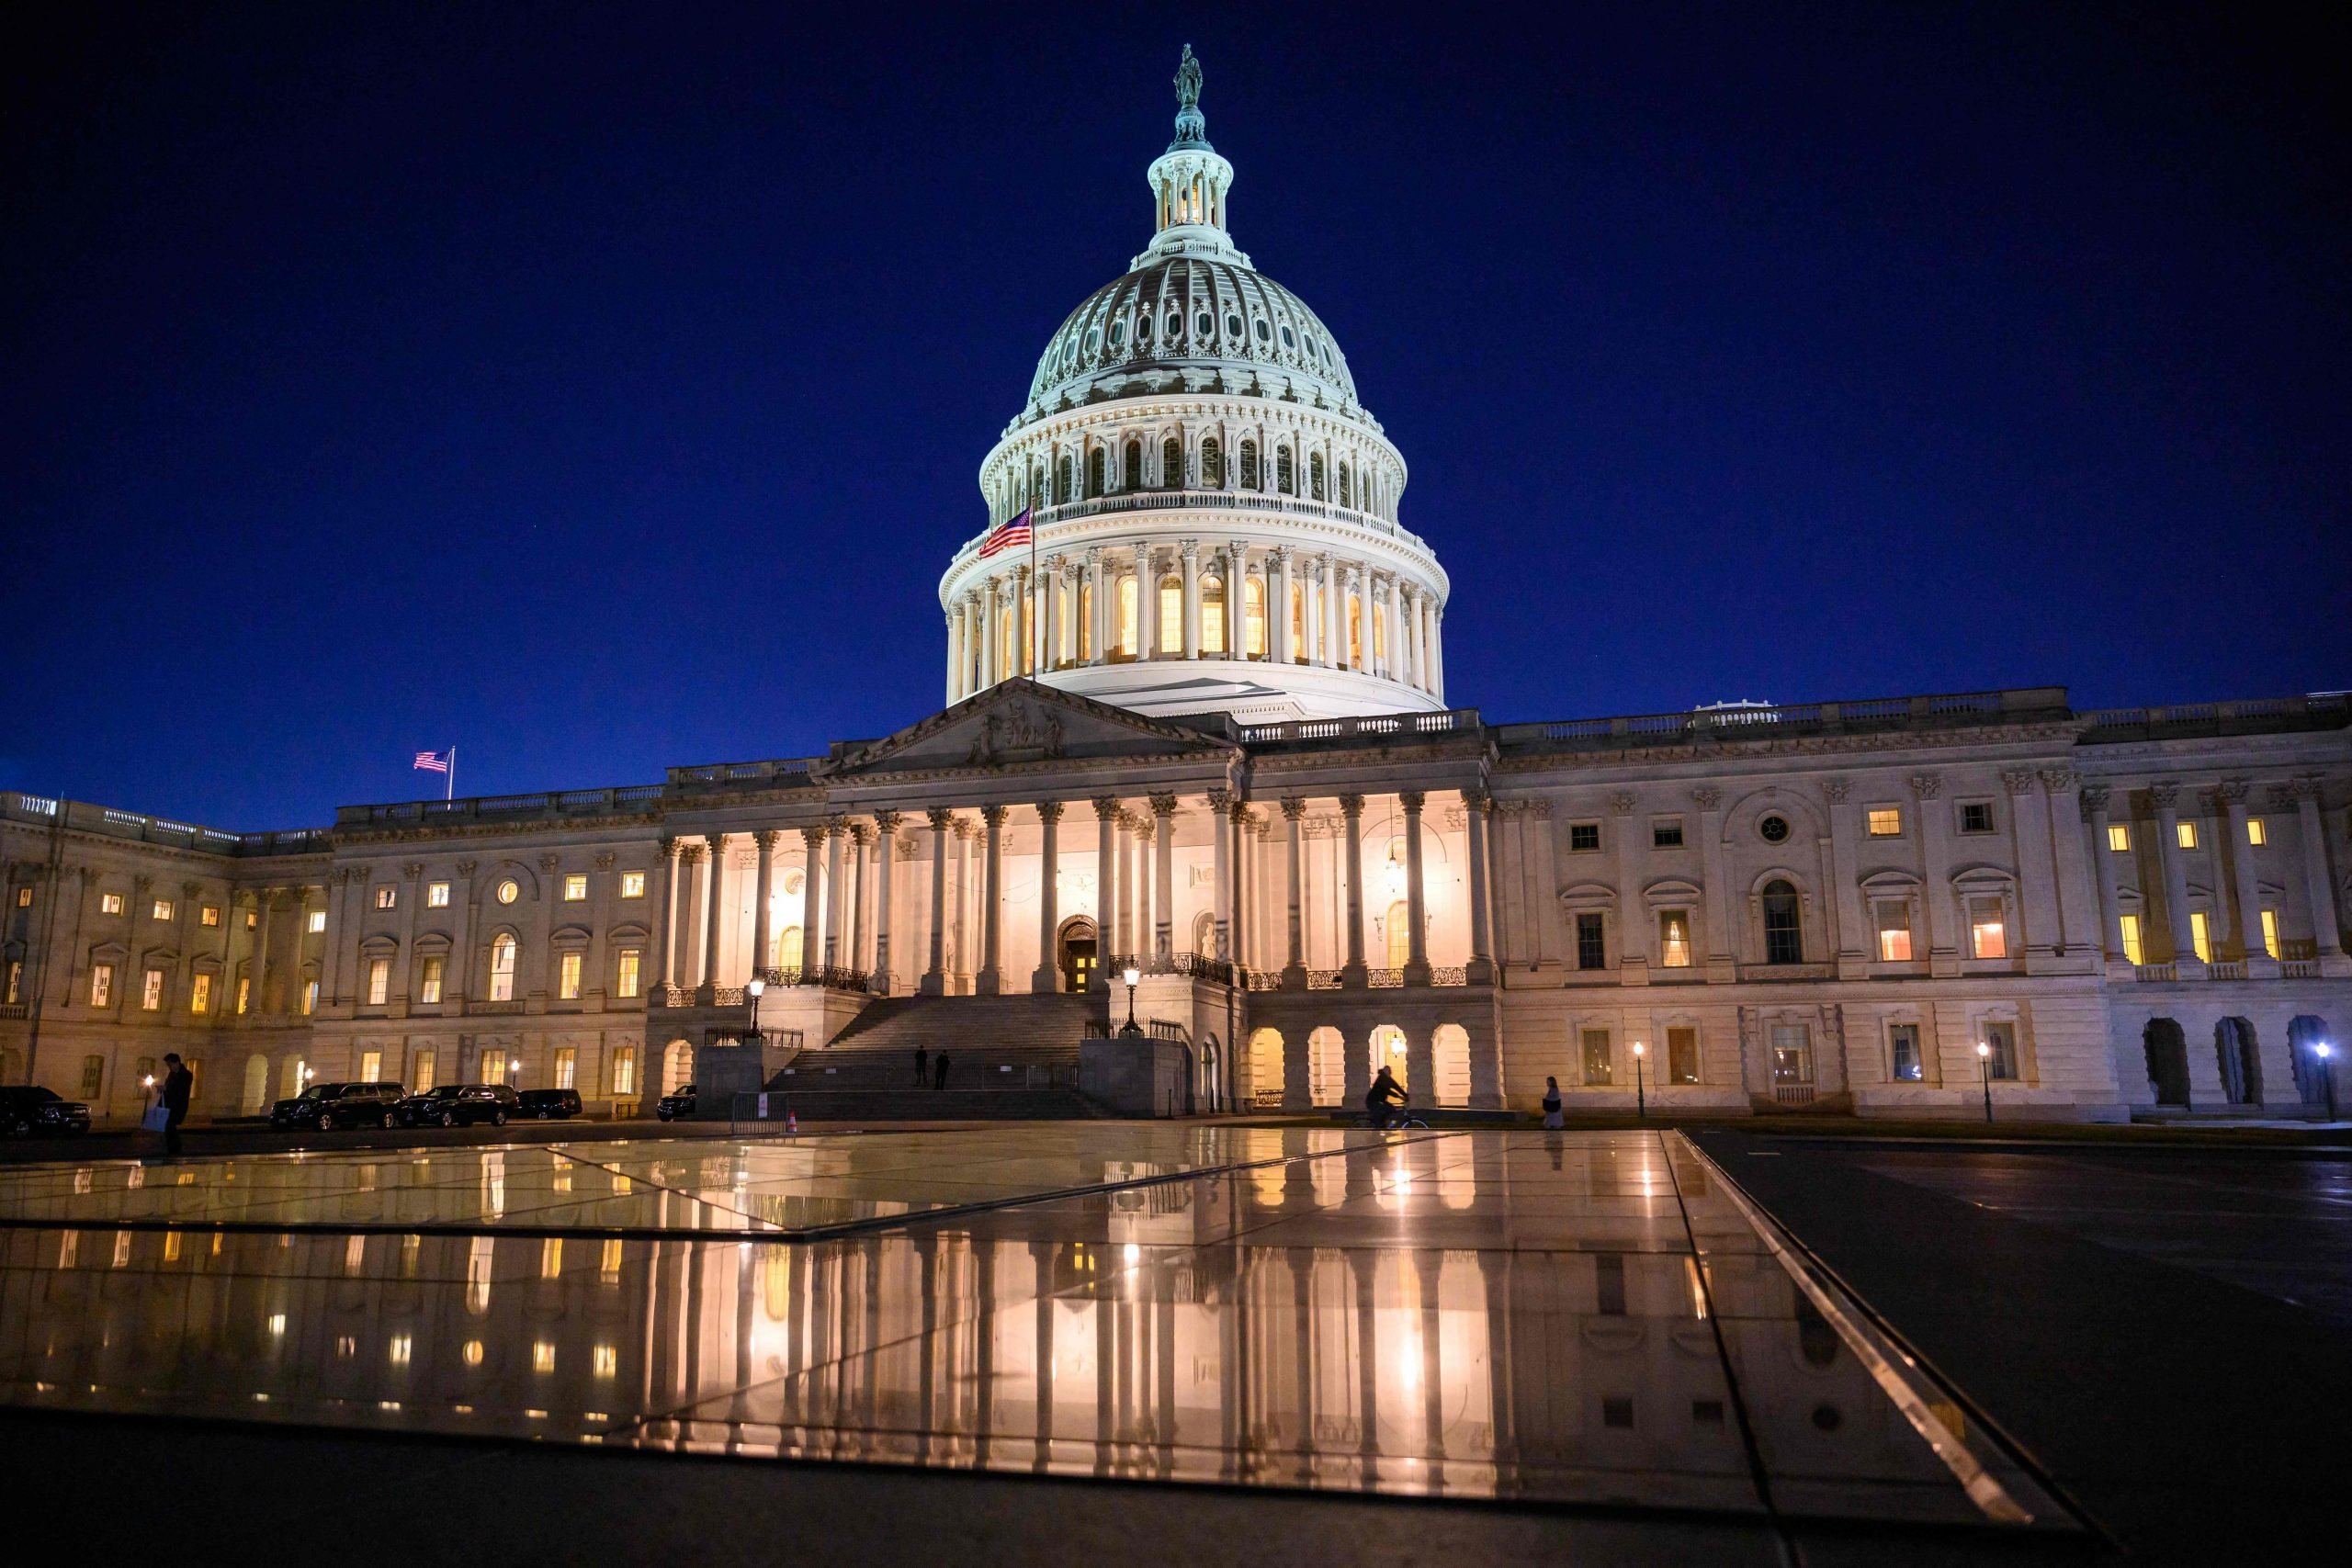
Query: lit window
<point x="624" y="1082"/>
<point x="429" y="980"/>
<point x="199" y="996"/>
<point x="632" y="884"/>
<point x="1682" y="1055"/>
<point x="379" y="981"/>
<point x="1885" y="821"/>
<point x="150" y="991"/>
<point x="1597" y="1067"/>
<point x="494" y="1068"/>
<point x="419" y="1067"/>
<point x="1666" y="833"/>
<point x="371" y="1066"/>
<point x="101" y="985"/>
<point x="551" y="1258"/>
<point x="2270" y="932"/>
<point x="2002" y="1063"/>
<point x="1976" y="816"/>
<point x="1674" y="938"/>
<point x="1893" y="930"/>
<point x="387" y="896"/>
<point x="2257" y="832"/>
<point x="608" y="1361"/>
<point x="1584" y="836"/>
<point x="437" y="894"/>
<point x="2119" y="838"/>
<point x="244" y="993"/>
<point x="575" y="887"/>
<point x="109" y="903"/>
<point x="509" y="890"/>
<point x="2130" y="924"/>
<point x="1902" y="1051"/>
<point x="1989" y="935"/>
<point x="318" y="920"/>
<point x="207" y="915"/>
<point x="2185" y="834"/>
<point x="2197" y="937"/>
<point x="309" y="998"/>
<point x="1212" y="614"/>
<point x="568" y="978"/>
<point x="252" y="918"/>
<point x="12" y="992"/>
<point x="567" y="1066"/>
<point x="24" y="898"/>
<point x="1171" y="615"/>
<point x="502" y="968"/>
<point x="627" y="979"/>
<point x="161" y="908"/>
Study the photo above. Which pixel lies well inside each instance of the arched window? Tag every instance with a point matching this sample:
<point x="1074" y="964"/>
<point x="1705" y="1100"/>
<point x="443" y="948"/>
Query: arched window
<point x="1784" y="931"/>
<point x="1172" y="464"/>
<point x="1380" y="632"/>
<point x="1253" y="627"/>
<point x="1347" y="486"/>
<point x="1131" y="466"/>
<point x="1212" y="465"/>
<point x="1248" y="465"/>
<point x="788" y="948"/>
<point x="502" y="968"/>
<point x="1127" y="618"/>
<point x="1212" y="614"/>
<point x="1085" y="638"/>
<point x="1095" y="459"/>
<point x="1171" y="615"/>
<point x="1314" y="476"/>
<point x="1285" y="479"/>
<point x="1400" y="934"/>
<point x="1355" y="631"/>
<point x="1068" y="489"/>
<point x="1298" y="623"/>
<point x="1037" y="484"/>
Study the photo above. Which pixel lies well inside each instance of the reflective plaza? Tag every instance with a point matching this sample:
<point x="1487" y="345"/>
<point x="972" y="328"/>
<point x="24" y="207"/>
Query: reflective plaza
<point x="1574" y="1318"/>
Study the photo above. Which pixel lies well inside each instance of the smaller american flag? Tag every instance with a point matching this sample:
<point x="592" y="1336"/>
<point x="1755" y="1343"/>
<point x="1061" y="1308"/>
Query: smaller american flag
<point x="1015" y="531"/>
<point x="433" y="762"/>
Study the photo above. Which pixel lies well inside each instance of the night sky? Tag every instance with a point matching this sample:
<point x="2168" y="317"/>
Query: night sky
<point x="604" y="389"/>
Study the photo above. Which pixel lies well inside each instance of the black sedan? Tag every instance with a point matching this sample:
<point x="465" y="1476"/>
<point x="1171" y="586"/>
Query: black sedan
<point x="26" y="1110"/>
<point x="316" y="1106"/>
<point x="459" y="1105"/>
<point x="362" y="1105"/>
<point x="669" y="1107"/>
<point x="548" y="1104"/>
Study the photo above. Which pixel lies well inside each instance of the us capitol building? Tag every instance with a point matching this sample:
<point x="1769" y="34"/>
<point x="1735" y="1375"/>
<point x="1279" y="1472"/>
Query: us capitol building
<point x="1203" y="728"/>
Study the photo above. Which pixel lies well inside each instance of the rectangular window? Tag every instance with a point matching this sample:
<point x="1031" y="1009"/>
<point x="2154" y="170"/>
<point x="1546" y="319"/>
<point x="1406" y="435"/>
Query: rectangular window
<point x="2184" y="835"/>
<point x="371" y="1066"/>
<point x="252" y="918"/>
<point x="1583" y="836"/>
<point x="421" y="1069"/>
<point x="575" y="887"/>
<point x="10" y="992"/>
<point x="1592" y="947"/>
<point x="379" y="981"/>
<point x="2001" y="1062"/>
<point x="150" y="991"/>
<point x="624" y="1070"/>
<point x="1902" y="1051"/>
<point x="317" y="921"/>
<point x="494" y="1068"/>
<point x="2131" y="939"/>
<point x="109" y="903"/>
<point x="632" y="884"/>
<point x="1597" y="1067"/>
<point x="2119" y="838"/>
<point x="1666" y="833"/>
<point x="1682" y="1055"/>
<point x="2256" y="833"/>
<point x="94" y="1077"/>
<point x="2199" y="938"/>
<point x="1674" y="938"/>
<point x="1988" y="936"/>
<point x="244" y="993"/>
<point x="101" y="985"/>
<point x="1885" y="821"/>
<point x="568" y="978"/>
<point x="200" y="994"/>
<point x="1976" y="816"/>
<point x="626" y="978"/>
<point x="24" y="898"/>
<point x="1893" y="930"/>
<point x="207" y="914"/>
<point x="309" y="998"/>
<point x="387" y="896"/>
<point x="567" y="1063"/>
<point x="429" y="978"/>
<point x="437" y="894"/>
<point x="1791" y="1053"/>
<point x="161" y="909"/>
<point x="2270" y="932"/>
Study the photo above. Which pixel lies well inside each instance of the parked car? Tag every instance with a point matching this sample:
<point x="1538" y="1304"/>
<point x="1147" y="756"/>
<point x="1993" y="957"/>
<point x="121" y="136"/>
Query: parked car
<point x="28" y="1109"/>
<point x="326" y="1106"/>
<point x="669" y="1107"/>
<point x="459" y="1105"/>
<point x="548" y="1104"/>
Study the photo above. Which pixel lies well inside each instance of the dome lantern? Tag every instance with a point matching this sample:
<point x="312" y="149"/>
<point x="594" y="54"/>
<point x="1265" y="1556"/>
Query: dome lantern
<point x="1190" y="180"/>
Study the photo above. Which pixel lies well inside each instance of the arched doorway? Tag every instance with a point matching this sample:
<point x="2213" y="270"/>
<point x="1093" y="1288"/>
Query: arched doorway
<point x="677" y="1066"/>
<point x="1450" y="1064"/>
<point x="2304" y="1035"/>
<point x="2233" y="1053"/>
<point x="1327" y="1066"/>
<point x="1265" y="1066"/>
<point x="1212" y="1070"/>
<point x="1388" y="1051"/>
<point x="255" y="1100"/>
<point x="2167" y="1053"/>
<point x="1077" y="953"/>
<point x="788" y="948"/>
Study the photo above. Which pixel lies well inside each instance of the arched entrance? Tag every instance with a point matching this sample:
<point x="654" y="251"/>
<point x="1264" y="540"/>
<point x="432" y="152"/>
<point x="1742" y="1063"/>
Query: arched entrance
<point x="2167" y="1053"/>
<point x="1211" y="1076"/>
<point x="2304" y="1034"/>
<point x="2241" y="1068"/>
<point x="677" y="1066"/>
<point x="1265" y="1066"/>
<point x="255" y="1100"/>
<point x="1077" y="953"/>
<point x="1326" y="1067"/>
<point x="1388" y="1051"/>
<point x="1450" y="1064"/>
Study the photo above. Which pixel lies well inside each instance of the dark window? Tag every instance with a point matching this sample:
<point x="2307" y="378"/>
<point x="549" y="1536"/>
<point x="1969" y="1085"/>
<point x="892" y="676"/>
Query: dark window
<point x="1584" y="834"/>
<point x="1665" y="835"/>
<point x="1784" y="935"/>
<point x="1133" y="468"/>
<point x="1212" y="464"/>
<point x="1094" y="473"/>
<point x="1617" y="1413"/>
<point x="1172" y="464"/>
<point x="1285" y="479"/>
<point x="1592" y="948"/>
<point x="1976" y="816"/>
<point x="1608" y="1278"/>
<point x="1904" y="1040"/>
<point x="1248" y="465"/>
<point x="1068" y="490"/>
<point x="1313" y="470"/>
<point x="1682" y="1055"/>
<point x="2002" y="1063"/>
<point x="1773" y="828"/>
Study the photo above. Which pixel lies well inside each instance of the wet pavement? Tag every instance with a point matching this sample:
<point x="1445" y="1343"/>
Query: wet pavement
<point x="1583" y="1319"/>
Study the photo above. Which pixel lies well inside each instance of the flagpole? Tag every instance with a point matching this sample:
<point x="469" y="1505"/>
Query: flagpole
<point x="449" y="790"/>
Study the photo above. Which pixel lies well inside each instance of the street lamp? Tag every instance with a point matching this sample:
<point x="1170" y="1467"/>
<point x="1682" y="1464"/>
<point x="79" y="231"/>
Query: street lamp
<point x="1985" y="1071"/>
<point x="752" y="987"/>
<point x="515" y="1069"/>
<point x="1641" y="1098"/>
<point x="1131" y="977"/>
<point x="2327" y="1074"/>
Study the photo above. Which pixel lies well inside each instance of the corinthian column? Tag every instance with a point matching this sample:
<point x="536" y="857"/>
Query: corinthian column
<point x="1352" y="969"/>
<point x="1163" y="811"/>
<point x="1295" y="966"/>
<point x="934" y="979"/>
<point x="1417" y="961"/>
<point x="886" y="827"/>
<point x="765" y="839"/>
<point x="834" y="899"/>
<point x="1047" y="977"/>
<point x="1221" y="904"/>
<point x="717" y="843"/>
<point x="991" y="976"/>
<point x="1106" y="888"/>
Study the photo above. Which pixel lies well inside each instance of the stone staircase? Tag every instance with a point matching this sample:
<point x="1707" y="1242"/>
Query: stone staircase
<point x="1009" y="1058"/>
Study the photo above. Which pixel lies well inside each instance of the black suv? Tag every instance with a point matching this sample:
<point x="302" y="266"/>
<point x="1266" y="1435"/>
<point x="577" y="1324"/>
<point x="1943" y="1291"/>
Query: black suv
<point x="28" y="1109"/>
<point x="326" y="1106"/>
<point x="669" y="1107"/>
<point x="548" y="1103"/>
<point x="459" y="1105"/>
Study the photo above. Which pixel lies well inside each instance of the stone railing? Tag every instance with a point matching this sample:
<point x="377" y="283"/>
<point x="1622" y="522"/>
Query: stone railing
<point x="1384" y="979"/>
<point x="2157" y="974"/>
<point x="1273" y="502"/>
<point x="504" y="808"/>
<point x="1450" y="976"/>
<point x="784" y="772"/>
<point x="831" y="975"/>
<point x="1375" y="728"/>
<point x="2260" y="715"/>
<point x="114" y="823"/>
<point x="1733" y="726"/>
<point x="2298" y="969"/>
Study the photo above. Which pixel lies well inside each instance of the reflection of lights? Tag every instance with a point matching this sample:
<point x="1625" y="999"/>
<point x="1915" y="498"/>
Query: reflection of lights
<point x="277" y="1323"/>
<point x="345" y="1346"/>
<point x="1408" y="1365"/>
<point x="1133" y="1253"/>
<point x="543" y="1354"/>
<point x="473" y="1352"/>
<point x="608" y="1361"/>
<point x="399" y="1349"/>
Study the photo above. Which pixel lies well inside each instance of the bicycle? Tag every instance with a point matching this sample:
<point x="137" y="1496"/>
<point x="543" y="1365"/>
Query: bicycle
<point x="1399" y="1121"/>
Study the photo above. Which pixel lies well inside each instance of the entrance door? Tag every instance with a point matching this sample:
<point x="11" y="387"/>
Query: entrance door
<point x="1079" y="955"/>
<point x="2167" y="1053"/>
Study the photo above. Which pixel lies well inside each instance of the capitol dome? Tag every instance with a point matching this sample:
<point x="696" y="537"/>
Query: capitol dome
<point x="1211" y="515"/>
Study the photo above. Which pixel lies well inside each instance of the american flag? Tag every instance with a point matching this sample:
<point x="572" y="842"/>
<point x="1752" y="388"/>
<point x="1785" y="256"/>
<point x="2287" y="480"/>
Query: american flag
<point x="433" y="762"/>
<point x="1015" y="532"/>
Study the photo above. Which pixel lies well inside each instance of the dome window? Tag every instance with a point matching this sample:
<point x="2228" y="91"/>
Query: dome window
<point x="1174" y="328"/>
<point x="1143" y="330"/>
<point x="1118" y="334"/>
<point x="1094" y="340"/>
<point x="1204" y="324"/>
<point x="1262" y="331"/>
<point x="1233" y="325"/>
<point x="1288" y="341"/>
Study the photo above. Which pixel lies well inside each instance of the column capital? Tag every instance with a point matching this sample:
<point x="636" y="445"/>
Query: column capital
<point x="716" y="842"/>
<point x="1481" y="801"/>
<point x="1352" y="805"/>
<point x="1837" y="790"/>
<point x="813" y="836"/>
<point x="966" y="828"/>
<point x="887" y="821"/>
<point x="2018" y="780"/>
<point x="1164" y="805"/>
<point x="1190" y="549"/>
<point x="994" y="816"/>
<point x="1706" y="799"/>
<point x="1412" y="800"/>
<point x="190" y="890"/>
<point x="415" y="869"/>
<point x="861" y="833"/>
<point x="2095" y="797"/>
<point x="1220" y="800"/>
<point x="1622" y="803"/>
<point x="2164" y="795"/>
<point x="1051" y="810"/>
<point x="1106" y="806"/>
<point x="668" y="847"/>
<point x="1093" y="556"/>
<point x="1926" y="786"/>
<point x="467" y="867"/>
<point x="941" y="817"/>
<point x="2232" y="791"/>
<point x="688" y="854"/>
<point x="765" y="839"/>
<point x="2060" y="780"/>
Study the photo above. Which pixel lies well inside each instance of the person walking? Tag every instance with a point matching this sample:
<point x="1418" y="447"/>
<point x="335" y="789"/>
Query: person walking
<point x="923" y="1064"/>
<point x="1552" y="1119"/>
<point x="179" y="1084"/>
<point x="939" y="1071"/>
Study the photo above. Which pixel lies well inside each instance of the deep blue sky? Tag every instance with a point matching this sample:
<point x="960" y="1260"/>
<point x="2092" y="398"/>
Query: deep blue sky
<point x="600" y="389"/>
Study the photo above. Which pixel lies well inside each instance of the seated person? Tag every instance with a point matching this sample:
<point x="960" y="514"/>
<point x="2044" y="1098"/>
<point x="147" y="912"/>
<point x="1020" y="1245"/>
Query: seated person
<point x="1385" y="1099"/>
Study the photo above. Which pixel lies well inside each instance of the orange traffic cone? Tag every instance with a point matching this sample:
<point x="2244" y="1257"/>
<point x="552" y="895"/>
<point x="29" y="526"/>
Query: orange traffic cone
<point x="791" y="1125"/>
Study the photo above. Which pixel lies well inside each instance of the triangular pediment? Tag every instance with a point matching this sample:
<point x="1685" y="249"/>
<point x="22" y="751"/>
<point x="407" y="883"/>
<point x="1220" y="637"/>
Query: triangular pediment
<point x="1020" y="721"/>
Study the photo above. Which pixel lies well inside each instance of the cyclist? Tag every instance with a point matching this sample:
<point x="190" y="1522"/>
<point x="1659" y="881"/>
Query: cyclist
<point x="1385" y="1102"/>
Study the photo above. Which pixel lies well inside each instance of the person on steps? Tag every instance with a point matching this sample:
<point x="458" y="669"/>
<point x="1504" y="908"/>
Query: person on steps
<point x="939" y="1071"/>
<point x="923" y="1064"/>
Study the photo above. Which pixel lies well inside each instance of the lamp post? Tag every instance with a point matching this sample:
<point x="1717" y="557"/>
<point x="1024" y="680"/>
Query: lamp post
<point x="752" y="987"/>
<point x="1985" y="1071"/>
<point x="1640" y="1095"/>
<point x="514" y="1071"/>
<point x="1131" y="977"/>
<point x="2327" y="1074"/>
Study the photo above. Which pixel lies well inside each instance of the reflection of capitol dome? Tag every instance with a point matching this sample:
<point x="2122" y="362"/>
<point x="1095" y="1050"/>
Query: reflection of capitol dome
<point x="1216" y="516"/>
